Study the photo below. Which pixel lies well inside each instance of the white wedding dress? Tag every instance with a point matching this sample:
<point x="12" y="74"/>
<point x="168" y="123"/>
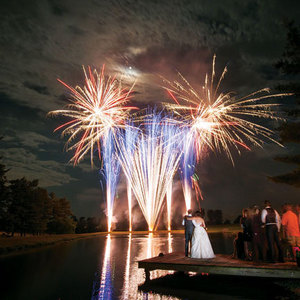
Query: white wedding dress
<point x="201" y="246"/>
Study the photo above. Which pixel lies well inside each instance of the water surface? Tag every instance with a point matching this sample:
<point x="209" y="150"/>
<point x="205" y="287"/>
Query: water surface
<point x="105" y="267"/>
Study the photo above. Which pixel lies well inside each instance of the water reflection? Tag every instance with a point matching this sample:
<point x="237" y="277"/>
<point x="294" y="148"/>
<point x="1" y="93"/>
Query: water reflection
<point x="105" y="284"/>
<point x="170" y="242"/>
<point x="125" y="292"/>
<point x="145" y="247"/>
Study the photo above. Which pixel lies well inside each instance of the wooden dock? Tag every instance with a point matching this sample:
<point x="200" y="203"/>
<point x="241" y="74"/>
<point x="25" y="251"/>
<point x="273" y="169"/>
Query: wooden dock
<point x="220" y="265"/>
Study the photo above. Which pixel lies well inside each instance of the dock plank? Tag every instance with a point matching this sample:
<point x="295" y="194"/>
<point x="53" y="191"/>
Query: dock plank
<point x="220" y="265"/>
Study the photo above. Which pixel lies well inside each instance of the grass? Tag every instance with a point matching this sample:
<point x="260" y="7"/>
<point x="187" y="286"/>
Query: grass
<point x="17" y="243"/>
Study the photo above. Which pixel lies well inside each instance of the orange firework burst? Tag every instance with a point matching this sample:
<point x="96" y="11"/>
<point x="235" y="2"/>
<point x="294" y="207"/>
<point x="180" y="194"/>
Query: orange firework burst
<point x="220" y="120"/>
<point x="95" y="109"/>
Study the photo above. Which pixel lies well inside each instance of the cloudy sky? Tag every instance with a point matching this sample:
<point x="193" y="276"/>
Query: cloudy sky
<point x="44" y="40"/>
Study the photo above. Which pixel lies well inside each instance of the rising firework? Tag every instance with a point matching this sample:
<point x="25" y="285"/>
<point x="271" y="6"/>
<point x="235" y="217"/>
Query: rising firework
<point x="187" y="167"/>
<point x="131" y="134"/>
<point x="150" y="168"/>
<point x="172" y="139"/>
<point x="95" y="109"/>
<point x="220" y="120"/>
<point x="111" y="171"/>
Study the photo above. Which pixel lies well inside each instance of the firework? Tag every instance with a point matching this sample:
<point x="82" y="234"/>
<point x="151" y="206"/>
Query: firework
<point x="95" y="109"/>
<point x="187" y="167"/>
<point x="172" y="137"/>
<point x="220" y="120"/>
<point x="111" y="171"/>
<point x="130" y="140"/>
<point x="150" y="168"/>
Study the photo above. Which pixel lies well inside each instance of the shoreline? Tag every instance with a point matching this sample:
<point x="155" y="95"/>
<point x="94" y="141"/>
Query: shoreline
<point x="18" y="244"/>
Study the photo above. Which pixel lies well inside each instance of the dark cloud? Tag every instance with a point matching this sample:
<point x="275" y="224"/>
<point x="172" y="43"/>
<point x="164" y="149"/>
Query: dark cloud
<point x="40" y="89"/>
<point x="57" y="8"/>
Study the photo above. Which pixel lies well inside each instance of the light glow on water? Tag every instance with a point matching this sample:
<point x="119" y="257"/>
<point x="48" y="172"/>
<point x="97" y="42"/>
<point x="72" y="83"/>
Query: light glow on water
<point x="105" y="290"/>
<point x="125" y="294"/>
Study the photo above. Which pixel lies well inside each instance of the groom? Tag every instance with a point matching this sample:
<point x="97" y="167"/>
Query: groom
<point x="188" y="230"/>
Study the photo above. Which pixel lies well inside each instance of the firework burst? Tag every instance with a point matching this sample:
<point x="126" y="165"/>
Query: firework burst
<point x="221" y="120"/>
<point x="95" y="109"/>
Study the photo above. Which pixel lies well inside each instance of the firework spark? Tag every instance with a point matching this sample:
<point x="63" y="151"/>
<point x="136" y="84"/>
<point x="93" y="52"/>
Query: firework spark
<point x="96" y="109"/>
<point x="220" y="120"/>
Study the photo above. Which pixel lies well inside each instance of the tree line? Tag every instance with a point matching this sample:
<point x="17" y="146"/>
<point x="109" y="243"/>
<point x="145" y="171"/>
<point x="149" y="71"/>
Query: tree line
<point x="27" y="208"/>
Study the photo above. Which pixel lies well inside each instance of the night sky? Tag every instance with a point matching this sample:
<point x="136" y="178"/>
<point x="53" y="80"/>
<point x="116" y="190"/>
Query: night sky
<point x="41" y="41"/>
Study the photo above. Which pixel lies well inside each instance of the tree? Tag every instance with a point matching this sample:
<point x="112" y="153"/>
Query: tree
<point x="289" y="65"/>
<point x="237" y="220"/>
<point x="215" y="217"/>
<point x="4" y="197"/>
<point x="81" y="226"/>
<point x="61" y="220"/>
<point x="39" y="213"/>
<point x="20" y="208"/>
<point x="92" y="224"/>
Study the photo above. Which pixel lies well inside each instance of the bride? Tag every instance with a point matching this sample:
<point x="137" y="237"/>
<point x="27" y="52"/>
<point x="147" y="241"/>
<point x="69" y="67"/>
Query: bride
<point x="201" y="246"/>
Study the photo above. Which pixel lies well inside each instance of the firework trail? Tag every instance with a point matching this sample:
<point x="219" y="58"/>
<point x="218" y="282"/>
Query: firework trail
<point x="111" y="171"/>
<point x="221" y="121"/>
<point x="131" y="134"/>
<point x="95" y="109"/>
<point x="148" y="169"/>
<point x="187" y="167"/>
<point x="172" y="137"/>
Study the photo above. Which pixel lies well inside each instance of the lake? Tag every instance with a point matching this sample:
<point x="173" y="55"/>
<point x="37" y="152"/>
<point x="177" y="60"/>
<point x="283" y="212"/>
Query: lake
<point x="105" y="267"/>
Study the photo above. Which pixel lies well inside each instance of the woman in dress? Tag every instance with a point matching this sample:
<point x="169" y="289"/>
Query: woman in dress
<point x="201" y="246"/>
<point x="246" y="224"/>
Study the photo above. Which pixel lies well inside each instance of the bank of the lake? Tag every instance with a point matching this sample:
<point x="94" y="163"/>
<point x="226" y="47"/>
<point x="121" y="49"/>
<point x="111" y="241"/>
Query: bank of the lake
<point x="16" y="243"/>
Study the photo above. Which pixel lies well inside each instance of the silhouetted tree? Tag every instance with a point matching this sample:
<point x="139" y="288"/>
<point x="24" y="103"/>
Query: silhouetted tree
<point x="4" y="198"/>
<point x="215" y="217"/>
<point x="61" y="220"/>
<point x="40" y="211"/>
<point x="289" y="65"/>
<point x="81" y="226"/>
<point x="92" y="224"/>
<point x="20" y="207"/>
<point x="237" y="219"/>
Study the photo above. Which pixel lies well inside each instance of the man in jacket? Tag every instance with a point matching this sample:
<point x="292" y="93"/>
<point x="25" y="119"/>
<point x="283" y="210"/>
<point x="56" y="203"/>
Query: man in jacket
<point x="271" y="220"/>
<point x="188" y="231"/>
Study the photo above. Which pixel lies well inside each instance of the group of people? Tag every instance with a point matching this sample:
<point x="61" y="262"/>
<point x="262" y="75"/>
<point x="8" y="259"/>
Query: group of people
<point x="197" y="243"/>
<point x="266" y="236"/>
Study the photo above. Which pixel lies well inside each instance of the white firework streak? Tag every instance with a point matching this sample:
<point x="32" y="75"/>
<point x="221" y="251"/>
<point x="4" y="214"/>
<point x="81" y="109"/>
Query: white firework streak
<point x="150" y="168"/>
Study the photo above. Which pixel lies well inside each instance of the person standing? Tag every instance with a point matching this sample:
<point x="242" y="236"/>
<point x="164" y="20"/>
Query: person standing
<point x="271" y="220"/>
<point x="188" y="231"/>
<point x="297" y="209"/>
<point x="247" y="232"/>
<point x="290" y="226"/>
<point x="201" y="246"/>
<point x="258" y="235"/>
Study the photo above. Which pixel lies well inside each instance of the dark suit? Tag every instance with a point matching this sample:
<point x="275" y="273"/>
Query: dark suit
<point x="188" y="230"/>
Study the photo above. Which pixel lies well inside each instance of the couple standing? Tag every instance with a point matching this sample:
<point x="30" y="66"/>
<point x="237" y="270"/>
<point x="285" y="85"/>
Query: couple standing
<point x="196" y="235"/>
